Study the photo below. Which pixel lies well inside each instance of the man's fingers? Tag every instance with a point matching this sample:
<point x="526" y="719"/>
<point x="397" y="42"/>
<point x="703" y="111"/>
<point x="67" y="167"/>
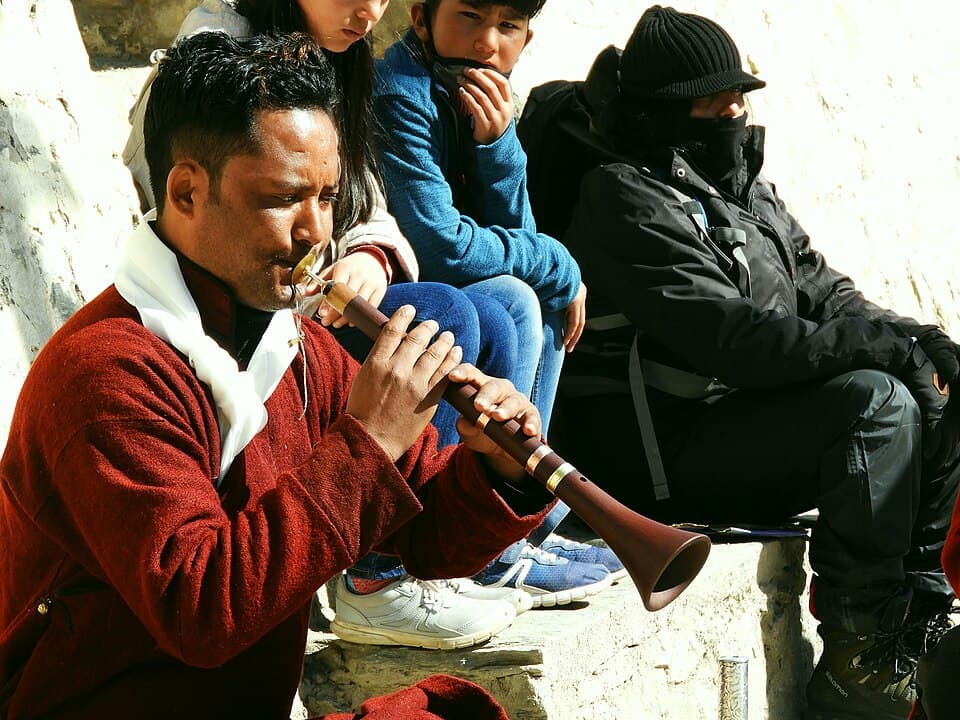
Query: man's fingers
<point x="416" y="343"/>
<point x="393" y="333"/>
<point x="435" y="355"/>
<point x="438" y="381"/>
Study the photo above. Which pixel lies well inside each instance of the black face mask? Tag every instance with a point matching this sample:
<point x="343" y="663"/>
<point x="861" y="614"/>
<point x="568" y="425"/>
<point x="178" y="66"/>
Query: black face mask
<point x="448" y="71"/>
<point x="715" y="145"/>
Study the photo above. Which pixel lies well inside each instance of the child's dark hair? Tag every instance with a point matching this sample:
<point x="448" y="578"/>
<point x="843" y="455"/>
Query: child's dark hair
<point x="360" y="179"/>
<point x="209" y="89"/>
<point x="528" y="8"/>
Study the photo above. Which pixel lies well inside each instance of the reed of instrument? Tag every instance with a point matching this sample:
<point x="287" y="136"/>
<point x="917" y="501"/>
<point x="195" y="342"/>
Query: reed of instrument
<point x="661" y="560"/>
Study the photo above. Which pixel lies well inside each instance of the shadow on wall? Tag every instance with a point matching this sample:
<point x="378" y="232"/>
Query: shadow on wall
<point x="65" y="200"/>
<point x="117" y="33"/>
<point x="36" y="285"/>
<point x="788" y="654"/>
<point x="392" y="26"/>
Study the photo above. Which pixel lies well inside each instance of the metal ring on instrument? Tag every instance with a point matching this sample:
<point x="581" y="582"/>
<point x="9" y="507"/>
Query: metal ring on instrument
<point x="535" y="457"/>
<point x="557" y="476"/>
<point x="482" y="420"/>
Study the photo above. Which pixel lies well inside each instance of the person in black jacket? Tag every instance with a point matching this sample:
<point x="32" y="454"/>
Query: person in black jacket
<point x="767" y="382"/>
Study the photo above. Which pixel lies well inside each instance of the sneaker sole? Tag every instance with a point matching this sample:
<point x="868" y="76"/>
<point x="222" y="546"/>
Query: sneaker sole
<point x="565" y="597"/>
<point x="368" y="635"/>
<point x="618" y="574"/>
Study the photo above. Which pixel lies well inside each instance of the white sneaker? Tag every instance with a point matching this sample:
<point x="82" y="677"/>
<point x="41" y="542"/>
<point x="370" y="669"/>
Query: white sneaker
<point x="521" y="600"/>
<point x="418" y="613"/>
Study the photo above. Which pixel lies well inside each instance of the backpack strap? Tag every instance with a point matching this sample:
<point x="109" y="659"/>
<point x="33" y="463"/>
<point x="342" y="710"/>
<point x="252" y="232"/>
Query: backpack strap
<point x="731" y="238"/>
<point x="651" y="448"/>
<point x="641" y="407"/>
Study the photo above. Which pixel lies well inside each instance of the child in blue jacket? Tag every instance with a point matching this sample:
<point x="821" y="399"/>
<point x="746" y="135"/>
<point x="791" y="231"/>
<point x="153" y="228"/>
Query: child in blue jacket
<point x="454" y="173"/>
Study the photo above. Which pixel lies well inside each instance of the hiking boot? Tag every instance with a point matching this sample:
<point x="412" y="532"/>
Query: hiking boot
<point x="550" y="580"/>
<point x="582" y="552"/>
<point x="417" y="613"/>
<point x="862" y="677"/>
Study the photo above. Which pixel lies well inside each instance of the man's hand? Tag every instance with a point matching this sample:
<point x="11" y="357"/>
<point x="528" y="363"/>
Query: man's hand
<point x="362" y="273"/>
<point x="395" y="393"/>
<point x="920" y="376"/>
<point x="499" y="400"/>
<point x="485" y="96"/>
<point x="941" y="350"/>
<point x="575" y="319"/>
<point x="942" y="446"/>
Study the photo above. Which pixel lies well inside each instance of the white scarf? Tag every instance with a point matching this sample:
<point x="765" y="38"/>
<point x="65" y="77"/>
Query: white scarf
<point x="149" y="278"/>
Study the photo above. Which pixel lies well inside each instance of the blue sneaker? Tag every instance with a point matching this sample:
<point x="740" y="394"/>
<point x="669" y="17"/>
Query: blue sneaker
<point x="582" y="552"/>
<point x="550" y="580"/>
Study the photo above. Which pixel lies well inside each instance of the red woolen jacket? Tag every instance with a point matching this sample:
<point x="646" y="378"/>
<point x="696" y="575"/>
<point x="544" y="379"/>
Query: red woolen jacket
<point x="951" y="551"/>
<point x="132" y="586"/>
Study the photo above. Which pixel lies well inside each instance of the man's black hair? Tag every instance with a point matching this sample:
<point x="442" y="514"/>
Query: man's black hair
<point x="528" y="8"/>
<point x="209" y="88"/>
<point x="360" y="183"/>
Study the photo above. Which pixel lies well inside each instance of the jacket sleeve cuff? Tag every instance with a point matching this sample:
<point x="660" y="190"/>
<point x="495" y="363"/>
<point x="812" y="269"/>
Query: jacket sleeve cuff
<point x="524" y="497"/>
<point x="380" y="256"/>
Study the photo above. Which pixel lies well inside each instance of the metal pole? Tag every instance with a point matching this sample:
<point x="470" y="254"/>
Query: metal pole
<point x="733" y="688"/>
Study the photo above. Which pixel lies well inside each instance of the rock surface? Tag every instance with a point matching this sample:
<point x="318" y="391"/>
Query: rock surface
<point x="121" y="32"/>
<point x="610" y="658"/>
<point x="66" y="201"/>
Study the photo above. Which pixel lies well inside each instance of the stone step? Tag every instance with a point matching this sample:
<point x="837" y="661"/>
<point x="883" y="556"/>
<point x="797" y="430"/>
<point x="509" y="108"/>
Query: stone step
<point x="610" y="658"/>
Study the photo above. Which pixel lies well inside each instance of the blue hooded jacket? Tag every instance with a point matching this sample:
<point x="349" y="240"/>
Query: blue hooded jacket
<point x="452" y="247"/>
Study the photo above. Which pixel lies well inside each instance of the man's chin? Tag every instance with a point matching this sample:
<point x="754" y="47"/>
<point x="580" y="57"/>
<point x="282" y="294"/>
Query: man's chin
<point x="281" y="299"/>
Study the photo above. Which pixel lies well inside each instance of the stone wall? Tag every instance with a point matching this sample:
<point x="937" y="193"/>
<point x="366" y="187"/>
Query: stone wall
<point x="121" y="32"/>
<point x="65" y="200"/>
<point x="860" y="104"/>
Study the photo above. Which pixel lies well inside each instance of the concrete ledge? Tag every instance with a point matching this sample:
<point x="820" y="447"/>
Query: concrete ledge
<point x="611" y="658"/>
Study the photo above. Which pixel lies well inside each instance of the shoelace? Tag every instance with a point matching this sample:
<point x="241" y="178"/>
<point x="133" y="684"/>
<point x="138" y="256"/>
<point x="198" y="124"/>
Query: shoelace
<point x="937" y="626"/>
<point x="925" y="632"/>
<point x="432" y="590"/>
<point x="452" y="584"/>
<point x="565" y="543"/>
<point x="891" y="649"/>
<point x="541" y="555"/>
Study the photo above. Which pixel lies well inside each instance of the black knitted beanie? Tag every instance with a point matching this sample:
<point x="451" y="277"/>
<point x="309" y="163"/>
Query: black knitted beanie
<point x="680" y="56"/>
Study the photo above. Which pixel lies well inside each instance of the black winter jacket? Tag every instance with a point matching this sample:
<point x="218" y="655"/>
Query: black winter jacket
<point x="643" y="255"/>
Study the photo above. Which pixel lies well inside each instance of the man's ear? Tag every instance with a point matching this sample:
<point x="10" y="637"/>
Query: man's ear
<point x="529" y="38"/>
<point x="187" y="185"/>
<point x="418" y="17"/>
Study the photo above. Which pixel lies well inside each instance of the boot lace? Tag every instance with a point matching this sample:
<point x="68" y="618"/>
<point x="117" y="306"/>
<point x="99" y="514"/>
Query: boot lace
<point x="926" y="629"/>
<point x="935" y="627"/>
<point x="891" y="661"/>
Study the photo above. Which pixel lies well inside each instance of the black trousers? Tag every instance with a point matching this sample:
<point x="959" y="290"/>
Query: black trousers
<point x="849" y="446"/>
<point x="937" y="675"/>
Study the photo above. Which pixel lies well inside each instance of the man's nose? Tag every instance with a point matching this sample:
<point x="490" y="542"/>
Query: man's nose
<point x="313" y="226"/>
<point x="733" y="106"/>
<point x="732" y="110"/>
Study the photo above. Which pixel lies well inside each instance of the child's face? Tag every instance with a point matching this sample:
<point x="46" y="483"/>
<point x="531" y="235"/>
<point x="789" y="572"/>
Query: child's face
<point x="486" y="32"/>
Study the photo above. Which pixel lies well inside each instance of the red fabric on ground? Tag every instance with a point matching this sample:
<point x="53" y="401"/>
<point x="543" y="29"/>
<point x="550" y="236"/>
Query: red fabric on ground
<point x="438" y="697"/>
